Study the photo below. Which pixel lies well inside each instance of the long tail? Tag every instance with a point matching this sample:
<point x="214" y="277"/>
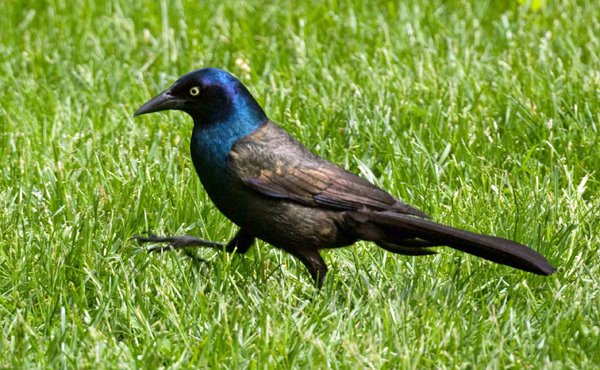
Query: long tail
<point x="400" y="233"/>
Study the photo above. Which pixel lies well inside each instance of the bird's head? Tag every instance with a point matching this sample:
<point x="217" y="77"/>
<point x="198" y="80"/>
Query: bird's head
<point x="210" y="96"/>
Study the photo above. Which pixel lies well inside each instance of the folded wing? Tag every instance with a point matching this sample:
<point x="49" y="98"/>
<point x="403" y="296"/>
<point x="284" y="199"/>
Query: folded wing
<point x="272" y="163"/>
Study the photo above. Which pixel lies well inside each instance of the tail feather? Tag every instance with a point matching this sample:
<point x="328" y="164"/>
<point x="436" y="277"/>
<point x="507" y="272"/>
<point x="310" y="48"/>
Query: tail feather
<point x="492" y="248"/>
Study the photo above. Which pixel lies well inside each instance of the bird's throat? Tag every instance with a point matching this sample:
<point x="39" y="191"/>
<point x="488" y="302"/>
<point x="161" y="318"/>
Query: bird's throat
<point x="210" y="147"/>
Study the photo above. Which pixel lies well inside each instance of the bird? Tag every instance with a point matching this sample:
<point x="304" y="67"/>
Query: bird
<point x="276" y="190"/>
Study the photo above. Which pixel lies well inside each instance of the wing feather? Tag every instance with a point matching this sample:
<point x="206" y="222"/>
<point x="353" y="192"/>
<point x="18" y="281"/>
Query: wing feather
<point x="277" y="166"/>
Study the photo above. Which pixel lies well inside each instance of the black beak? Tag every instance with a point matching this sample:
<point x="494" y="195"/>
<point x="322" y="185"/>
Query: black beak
<point x="162" y="101"/>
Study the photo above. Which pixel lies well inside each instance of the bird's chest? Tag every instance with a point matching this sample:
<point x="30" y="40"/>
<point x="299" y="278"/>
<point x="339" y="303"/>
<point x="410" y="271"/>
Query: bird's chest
<point x="210" y="160"/>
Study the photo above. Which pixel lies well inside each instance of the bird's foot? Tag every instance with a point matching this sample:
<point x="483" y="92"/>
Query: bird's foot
<point x="175" y="242"/>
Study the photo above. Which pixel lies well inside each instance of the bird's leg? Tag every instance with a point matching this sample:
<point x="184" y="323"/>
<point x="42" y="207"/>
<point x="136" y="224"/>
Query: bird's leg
<point x="314" y="263"/>
<point x="175" y="242"/>
<point x="241" y="242"/>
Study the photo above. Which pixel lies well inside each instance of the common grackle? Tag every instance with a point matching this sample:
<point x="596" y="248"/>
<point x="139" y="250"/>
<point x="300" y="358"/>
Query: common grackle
<point x="276" y="190"/>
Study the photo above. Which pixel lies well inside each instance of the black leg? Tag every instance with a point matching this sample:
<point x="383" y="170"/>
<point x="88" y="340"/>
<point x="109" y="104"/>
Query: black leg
<point x="175" y="242"/>
<point x="241" y="242"/>
<point x="314" y="263"/>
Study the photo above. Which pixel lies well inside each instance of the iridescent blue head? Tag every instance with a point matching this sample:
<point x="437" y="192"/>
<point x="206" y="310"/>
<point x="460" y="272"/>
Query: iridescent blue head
<point x="223" y="111"/>
<point x="210" y="96"/>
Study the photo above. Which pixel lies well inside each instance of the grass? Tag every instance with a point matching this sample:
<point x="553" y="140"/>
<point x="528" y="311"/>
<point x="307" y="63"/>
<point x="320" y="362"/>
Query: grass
<point x="485" y="115"/>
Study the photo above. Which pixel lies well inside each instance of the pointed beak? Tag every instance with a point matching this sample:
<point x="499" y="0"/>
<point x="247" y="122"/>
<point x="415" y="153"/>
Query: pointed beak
<point x="162" y="101"/>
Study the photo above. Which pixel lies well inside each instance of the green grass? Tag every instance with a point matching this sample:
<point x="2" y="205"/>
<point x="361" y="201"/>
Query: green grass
<point x="485" y="115"/>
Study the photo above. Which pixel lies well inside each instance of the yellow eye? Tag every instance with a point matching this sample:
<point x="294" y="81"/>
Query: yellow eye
<point x="194" y="91"/>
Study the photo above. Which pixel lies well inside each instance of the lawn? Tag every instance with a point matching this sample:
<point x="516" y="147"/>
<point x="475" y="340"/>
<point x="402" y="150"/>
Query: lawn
<point x="485" y="114"/>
